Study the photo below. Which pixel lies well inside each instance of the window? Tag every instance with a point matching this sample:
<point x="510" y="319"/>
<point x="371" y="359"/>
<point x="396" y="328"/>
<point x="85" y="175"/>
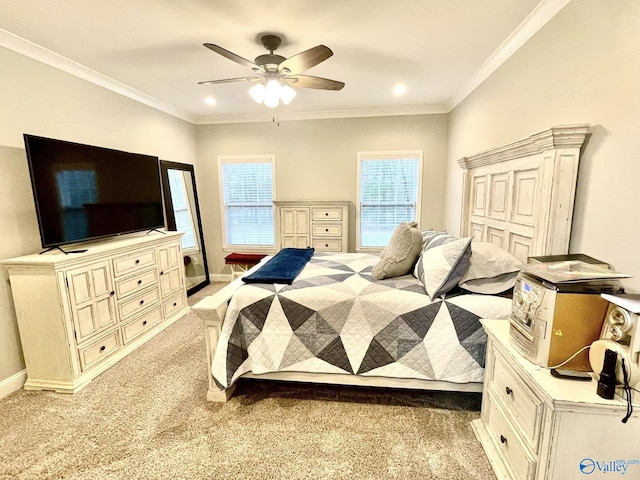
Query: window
<point x="181" y="210"/>
<point x="247" y="187"/>
<point x="389" y="186"/>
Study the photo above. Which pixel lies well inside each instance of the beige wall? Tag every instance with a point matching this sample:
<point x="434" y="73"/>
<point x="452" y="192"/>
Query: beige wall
<point x="41" y="100"/>
<point x="316" y="160"/>
<point x="582" y="67"/>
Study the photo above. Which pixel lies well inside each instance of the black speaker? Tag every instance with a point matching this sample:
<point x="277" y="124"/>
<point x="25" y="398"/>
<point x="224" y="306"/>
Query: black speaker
<point x="607" y="383"/>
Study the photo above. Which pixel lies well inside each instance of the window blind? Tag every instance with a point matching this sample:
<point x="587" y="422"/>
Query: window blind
<point x="247" y="196"/>
<point x="388" y="196"/>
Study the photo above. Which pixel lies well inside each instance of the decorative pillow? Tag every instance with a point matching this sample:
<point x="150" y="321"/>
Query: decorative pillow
<point x="428" y="234"/>
<point x="401" y="254"/>
<point x="491" y="269"/>
<point x="443" y="263"/>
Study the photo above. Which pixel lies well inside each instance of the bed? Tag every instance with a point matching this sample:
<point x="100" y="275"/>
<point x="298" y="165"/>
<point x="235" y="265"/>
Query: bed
<point x="335" y="324"/>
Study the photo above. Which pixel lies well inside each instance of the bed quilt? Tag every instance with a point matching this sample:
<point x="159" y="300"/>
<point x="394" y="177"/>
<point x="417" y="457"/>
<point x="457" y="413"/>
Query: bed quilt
<point x="335" y="318"/>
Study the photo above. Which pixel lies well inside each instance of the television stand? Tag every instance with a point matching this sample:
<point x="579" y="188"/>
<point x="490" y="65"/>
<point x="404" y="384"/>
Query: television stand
<point x="66" y="252"/>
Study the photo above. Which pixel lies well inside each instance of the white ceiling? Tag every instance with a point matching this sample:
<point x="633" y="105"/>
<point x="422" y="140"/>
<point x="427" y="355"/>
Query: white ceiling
<point x="152" y="50"/>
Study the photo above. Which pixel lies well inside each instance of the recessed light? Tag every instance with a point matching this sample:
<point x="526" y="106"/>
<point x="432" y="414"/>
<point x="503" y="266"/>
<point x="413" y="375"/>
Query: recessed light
<point x="210" y="101"/>
<point x="399" y="90"/>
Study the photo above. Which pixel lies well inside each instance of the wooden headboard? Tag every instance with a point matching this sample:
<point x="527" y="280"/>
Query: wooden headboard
<point x="520" y="196"/>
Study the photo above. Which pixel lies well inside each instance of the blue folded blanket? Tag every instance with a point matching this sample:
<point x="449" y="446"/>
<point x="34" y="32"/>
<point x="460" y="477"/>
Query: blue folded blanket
<point x="283" y="267"/>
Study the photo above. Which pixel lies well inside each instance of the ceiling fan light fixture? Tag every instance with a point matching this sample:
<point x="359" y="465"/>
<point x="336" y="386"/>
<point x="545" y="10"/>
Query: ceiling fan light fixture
<point x="287" y="94"/>
<point x="258" y="92"/>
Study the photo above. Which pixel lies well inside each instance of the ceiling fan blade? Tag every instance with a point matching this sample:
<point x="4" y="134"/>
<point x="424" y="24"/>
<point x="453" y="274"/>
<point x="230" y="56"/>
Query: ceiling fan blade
<point x="307" y="81"/>
<point x="230" y="80"/>
<point x="230" y="55"/>
<point x="305" y="60"/>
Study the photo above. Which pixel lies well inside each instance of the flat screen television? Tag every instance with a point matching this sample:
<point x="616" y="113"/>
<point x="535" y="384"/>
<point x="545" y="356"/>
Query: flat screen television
<point x="84" y="192"/>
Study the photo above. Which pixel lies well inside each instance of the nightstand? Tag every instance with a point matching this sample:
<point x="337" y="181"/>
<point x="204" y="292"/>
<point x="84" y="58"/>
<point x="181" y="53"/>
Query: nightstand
<point x="535" y="426"/>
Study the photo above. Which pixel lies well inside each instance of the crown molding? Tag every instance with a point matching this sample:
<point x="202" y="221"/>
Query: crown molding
<point x="43" y="55"/>
<point x="277" y="116"/>
<point x="540" y="15"/>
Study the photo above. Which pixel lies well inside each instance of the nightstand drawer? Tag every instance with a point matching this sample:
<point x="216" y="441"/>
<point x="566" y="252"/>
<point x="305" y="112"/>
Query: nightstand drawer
<point x="513" y="452"/>
<point x="520" y="403"/>
<point x="327" y="230"/>
<point x="326" y="213"/>
<point x="327" y="245"/>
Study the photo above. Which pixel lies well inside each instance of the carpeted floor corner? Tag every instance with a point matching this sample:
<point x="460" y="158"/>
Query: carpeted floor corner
<point x="147" y="418"/>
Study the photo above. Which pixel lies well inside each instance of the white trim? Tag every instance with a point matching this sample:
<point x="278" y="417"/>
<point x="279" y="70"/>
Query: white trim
<point x="539" y="17"/>
<point x="386" y="155"/>
<point x="267" y="158"/>
<point x="41" y="54"/>
<point x="220" y="277"/>
<point x="275" y="115"/>
<point x="12" y="384"/>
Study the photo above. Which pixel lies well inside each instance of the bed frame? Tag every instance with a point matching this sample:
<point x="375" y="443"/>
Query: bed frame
<point x="518" y="196"/>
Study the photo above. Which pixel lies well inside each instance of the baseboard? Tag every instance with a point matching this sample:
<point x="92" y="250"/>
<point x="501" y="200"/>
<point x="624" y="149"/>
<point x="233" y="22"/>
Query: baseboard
<point x="13" y="383"/>
<point x="220" y="277"/>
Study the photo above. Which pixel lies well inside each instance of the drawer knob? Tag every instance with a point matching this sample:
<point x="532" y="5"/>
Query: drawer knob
<point x="112" y="292"/>
<point x="103" y="348"/>
<point x="144" y="323"/>
<point x="137" y="262"/>
<point x="141" y="302"/>
<point x="175" y="304"/>
<point x="326" y="244"/>
<point x="161" y="272"/>
<point x="139" y="282"/>
<point x="503" y="439"/>
<point x="508" y="390"/>
<point x="326" y="229"/>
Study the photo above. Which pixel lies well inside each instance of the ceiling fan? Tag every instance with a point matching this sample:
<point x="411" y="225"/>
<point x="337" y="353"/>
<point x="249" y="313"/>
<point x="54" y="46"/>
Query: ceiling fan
<point x="285" y="71"/>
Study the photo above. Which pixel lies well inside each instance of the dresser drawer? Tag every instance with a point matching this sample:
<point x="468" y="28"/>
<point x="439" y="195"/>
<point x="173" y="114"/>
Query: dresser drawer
<point x="131" y="263"/>
<point x="327" y="244"/>
<point x="319" y="213"/>
<point x="515" y="454"/>
<point x="141" y="324"/>
<point x="99" y="350"/>
<point x="520" y="403"/>
<point x="327" y="230"/>
<point x="138" y="303"/>
<point x="173" y="304"/>
<point x="140" y="281"/>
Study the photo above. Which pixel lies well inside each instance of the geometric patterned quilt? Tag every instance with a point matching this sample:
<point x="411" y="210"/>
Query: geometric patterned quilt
<point x="335" y="318"/>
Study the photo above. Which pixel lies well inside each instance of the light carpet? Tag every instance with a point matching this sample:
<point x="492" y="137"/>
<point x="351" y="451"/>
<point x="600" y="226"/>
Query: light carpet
<point x="147" y="418"/>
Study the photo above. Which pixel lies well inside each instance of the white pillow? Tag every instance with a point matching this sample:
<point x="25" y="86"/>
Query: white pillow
<point x="443" y="263"/>
<point x="491" y="269"/>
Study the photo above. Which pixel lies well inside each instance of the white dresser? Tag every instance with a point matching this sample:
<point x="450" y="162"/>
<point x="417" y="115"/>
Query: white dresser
<point x="321" y="225"/>
<point x="80" y="313"/>
<point x="536" y="426"/>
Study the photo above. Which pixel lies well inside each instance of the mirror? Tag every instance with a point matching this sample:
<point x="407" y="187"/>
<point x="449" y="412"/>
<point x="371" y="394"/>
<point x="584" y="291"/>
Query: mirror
<point x="183" y="214"/>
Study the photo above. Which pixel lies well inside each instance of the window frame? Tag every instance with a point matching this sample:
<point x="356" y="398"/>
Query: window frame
<point x="385" y="155"/>
<point x="265" y="158"/>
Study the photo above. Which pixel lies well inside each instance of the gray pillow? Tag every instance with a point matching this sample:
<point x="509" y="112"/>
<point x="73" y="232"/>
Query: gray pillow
<point x="491" y="269"/>
<point x="401" y="254"/>
<point x="443" y="263"/>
